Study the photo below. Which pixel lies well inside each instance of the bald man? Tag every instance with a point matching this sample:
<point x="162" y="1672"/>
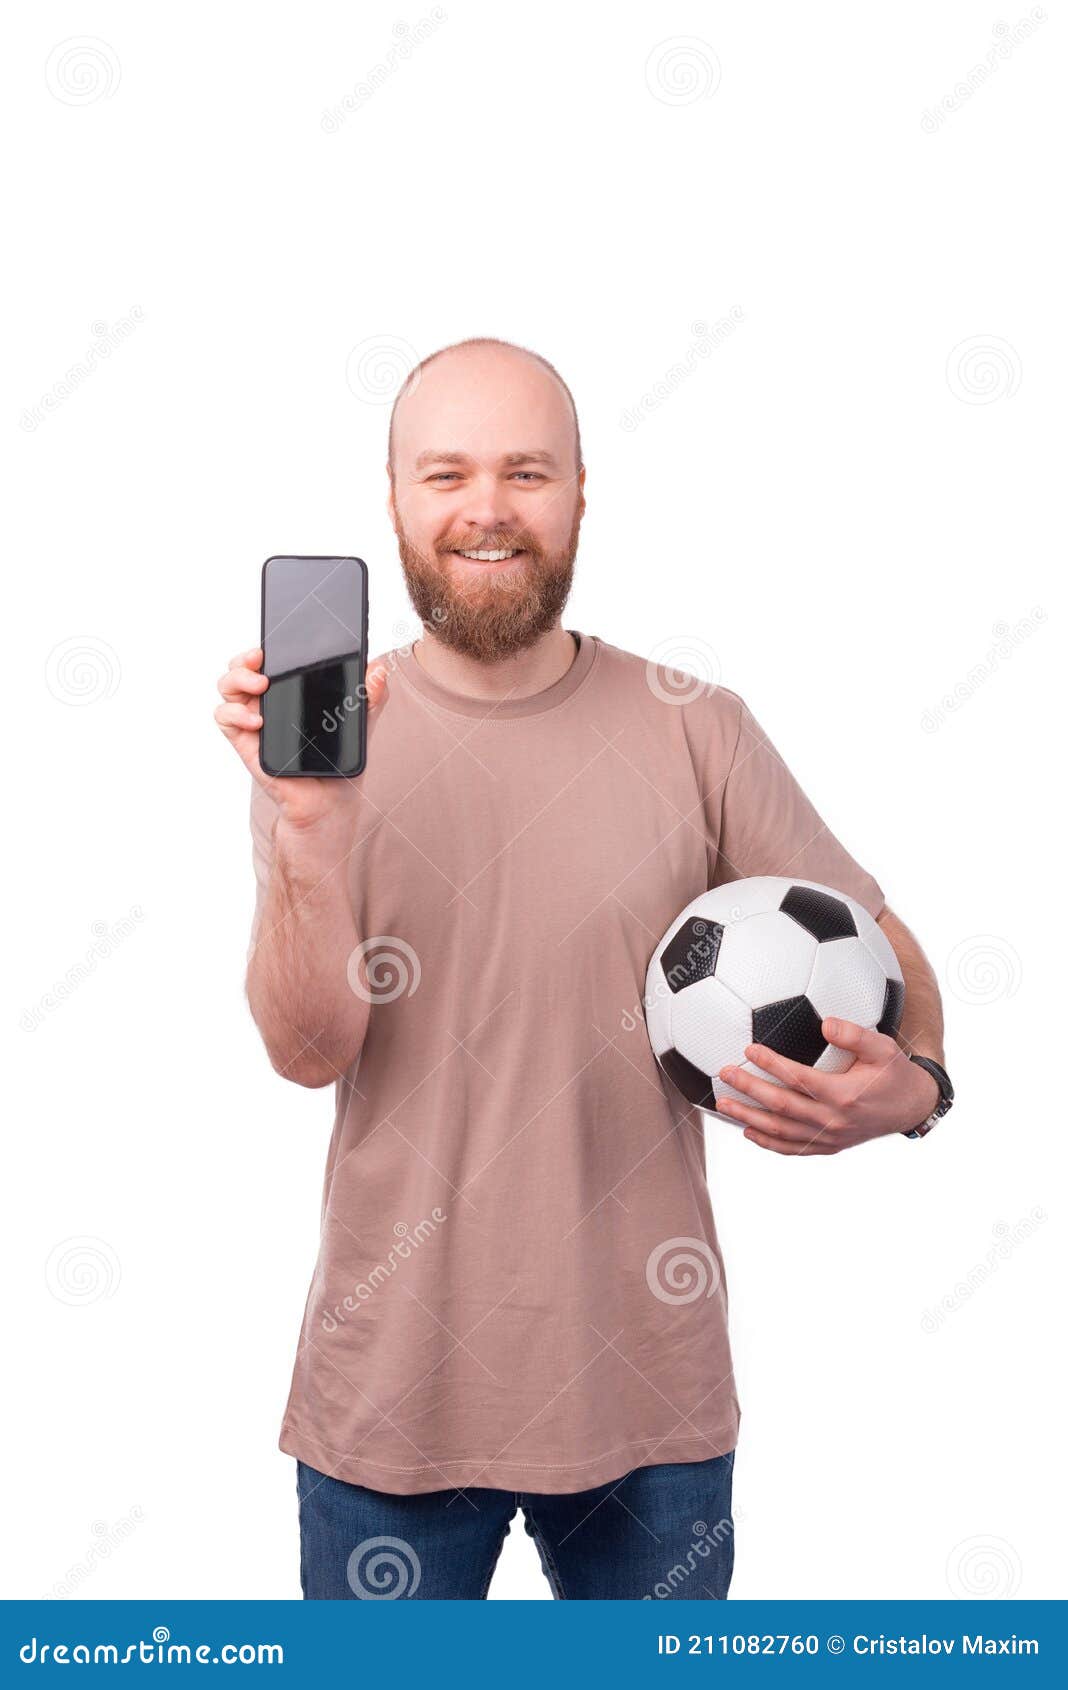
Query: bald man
<point x="520" y="1301"/>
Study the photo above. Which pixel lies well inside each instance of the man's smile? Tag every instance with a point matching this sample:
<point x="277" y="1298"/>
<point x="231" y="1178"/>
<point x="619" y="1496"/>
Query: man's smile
<point x="488" y="559"/>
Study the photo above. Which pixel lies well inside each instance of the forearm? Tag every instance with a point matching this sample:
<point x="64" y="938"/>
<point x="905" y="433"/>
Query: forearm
<point x="311" y="1021"/>
<point x="922" y="1028"/>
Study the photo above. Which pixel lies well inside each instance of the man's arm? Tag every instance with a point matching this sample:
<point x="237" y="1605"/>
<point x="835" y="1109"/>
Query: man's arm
<point x="312" y="1022"/>
<point x="922" y="1028"/>
<point x="298" y="981"/>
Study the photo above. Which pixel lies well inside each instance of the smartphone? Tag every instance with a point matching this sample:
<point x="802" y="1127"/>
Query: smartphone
<point x="313" y="630"/>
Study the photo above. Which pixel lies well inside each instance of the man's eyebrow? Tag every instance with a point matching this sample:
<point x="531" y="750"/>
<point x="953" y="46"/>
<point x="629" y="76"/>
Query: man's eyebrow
<point x="533" y="456"/>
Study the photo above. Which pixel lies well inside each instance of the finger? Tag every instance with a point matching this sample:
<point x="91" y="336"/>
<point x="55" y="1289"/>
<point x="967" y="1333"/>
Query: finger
<point x="779" y="1099"/>
<point x="777" y="1127"/>
<point x="813" y="1141"/>
<point x="779" y="1145"/>
<point x="778" y="1132"/>
<point x="238" y="716"/>
<point x="812" y="1081"/>
<point x="866" y="1044"/>
<point x="251" y="659"/>
<point x="238" y="683"/>
<point x="244" y="678"/>
<point x="375" y="683"/>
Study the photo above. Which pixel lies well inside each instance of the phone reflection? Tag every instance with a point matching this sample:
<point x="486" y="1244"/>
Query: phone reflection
<point x="312" y="717"/>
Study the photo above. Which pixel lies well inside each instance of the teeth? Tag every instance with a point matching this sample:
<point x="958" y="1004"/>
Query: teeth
<point x="488" y="557"/>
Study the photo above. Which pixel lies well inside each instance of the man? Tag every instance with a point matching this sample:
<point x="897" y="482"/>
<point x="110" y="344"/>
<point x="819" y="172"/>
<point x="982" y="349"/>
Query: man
<point x="519" y="1300"/>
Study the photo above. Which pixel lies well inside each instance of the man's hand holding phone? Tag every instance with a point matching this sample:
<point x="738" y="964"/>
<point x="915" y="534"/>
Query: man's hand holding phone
<point x="303" y="802"/>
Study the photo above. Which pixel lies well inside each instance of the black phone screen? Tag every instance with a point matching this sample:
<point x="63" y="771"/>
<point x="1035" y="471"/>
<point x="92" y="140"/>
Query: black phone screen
<point x="314" y="639"/>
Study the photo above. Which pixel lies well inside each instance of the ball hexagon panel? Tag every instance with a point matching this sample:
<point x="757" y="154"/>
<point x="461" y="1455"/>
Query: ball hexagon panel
<point x="735" y="899"/>
<point x="885" y="957"/>
<point x="847" y="981"/>
<point x="766" y="957"/>
<point x="710" y="1019"/>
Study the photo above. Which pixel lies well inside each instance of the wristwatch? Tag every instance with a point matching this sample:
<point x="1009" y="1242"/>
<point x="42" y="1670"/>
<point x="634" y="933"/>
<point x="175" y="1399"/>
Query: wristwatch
<point x="945" y="1102"/>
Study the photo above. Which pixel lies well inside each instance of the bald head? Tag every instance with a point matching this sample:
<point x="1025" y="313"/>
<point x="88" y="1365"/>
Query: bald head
<point x="485" y="389"/>
<point x="486" y="495"/>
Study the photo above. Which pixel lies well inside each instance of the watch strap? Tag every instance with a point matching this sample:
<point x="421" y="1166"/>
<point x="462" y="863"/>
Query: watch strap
<point x="945" y="1100"/>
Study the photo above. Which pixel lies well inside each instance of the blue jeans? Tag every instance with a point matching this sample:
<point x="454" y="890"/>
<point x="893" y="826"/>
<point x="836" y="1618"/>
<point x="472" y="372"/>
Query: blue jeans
<point x="660" y="1532"/>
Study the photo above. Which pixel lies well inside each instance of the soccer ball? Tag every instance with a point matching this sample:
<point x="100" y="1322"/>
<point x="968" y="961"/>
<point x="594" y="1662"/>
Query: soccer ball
<point x="763" y="961"/>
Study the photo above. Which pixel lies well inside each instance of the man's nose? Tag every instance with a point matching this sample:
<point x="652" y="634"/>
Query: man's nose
<point x="489" y="505"/>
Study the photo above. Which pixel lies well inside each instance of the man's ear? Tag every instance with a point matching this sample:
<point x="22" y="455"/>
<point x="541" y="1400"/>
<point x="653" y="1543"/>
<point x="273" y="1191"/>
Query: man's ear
<point x="391" y="509"/>
<point x="581" y="486"/>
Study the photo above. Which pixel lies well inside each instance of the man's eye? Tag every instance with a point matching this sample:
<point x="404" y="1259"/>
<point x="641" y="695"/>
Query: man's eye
<point x="451" y="475"/>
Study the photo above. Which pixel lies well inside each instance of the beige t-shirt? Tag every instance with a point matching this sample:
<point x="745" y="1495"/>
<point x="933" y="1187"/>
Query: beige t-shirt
<point x="519" y="1283"/>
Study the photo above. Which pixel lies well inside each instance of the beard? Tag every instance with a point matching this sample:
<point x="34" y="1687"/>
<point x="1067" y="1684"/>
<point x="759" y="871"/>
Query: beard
<point x="496" y="613"/>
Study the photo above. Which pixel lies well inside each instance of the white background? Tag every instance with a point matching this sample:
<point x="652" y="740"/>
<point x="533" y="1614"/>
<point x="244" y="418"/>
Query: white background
<point x="835" y="509"/>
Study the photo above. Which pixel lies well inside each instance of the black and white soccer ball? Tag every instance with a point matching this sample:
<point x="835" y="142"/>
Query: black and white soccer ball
<point x="764" y="961"/>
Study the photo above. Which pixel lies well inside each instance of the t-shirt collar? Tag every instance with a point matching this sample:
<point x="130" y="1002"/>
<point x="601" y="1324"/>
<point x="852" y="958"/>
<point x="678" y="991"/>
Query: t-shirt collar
<point x="533" y="704"/>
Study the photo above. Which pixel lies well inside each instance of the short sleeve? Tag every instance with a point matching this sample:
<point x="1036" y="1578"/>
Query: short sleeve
<point x="769" y="826"/>
<point x="263" y="813"/>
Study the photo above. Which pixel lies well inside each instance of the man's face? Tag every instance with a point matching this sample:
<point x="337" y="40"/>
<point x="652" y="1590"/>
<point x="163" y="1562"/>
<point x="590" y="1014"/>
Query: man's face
<point x="484" y="461"/>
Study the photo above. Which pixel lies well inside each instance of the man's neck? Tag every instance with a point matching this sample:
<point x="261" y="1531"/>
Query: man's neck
<point x="526" y="672"/>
